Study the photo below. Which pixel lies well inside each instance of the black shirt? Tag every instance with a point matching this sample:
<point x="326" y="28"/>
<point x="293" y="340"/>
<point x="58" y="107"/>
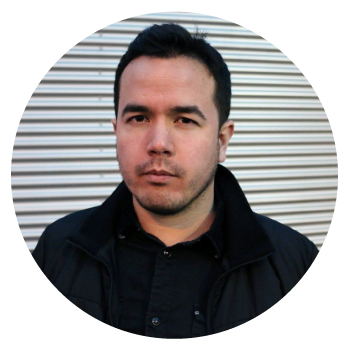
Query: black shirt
<point x="164" y="290"/>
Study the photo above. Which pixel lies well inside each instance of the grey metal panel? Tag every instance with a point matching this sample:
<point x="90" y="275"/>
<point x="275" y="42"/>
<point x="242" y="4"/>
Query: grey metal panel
<point x="282" y="153"/>
<point x="292" y="196"/>
<point x="290" y="208"/>
<point x="56" y="206"/>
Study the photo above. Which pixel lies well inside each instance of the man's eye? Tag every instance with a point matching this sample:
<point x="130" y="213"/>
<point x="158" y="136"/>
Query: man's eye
<point x="184" y="120"/>
<point x="137" y="118"/>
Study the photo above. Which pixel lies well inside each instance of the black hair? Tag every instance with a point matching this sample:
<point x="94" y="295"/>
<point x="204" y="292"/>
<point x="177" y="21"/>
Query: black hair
<point x="170" y="41"/>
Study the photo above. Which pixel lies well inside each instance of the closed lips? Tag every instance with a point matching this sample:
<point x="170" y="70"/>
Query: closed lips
<point x="159" y="173"/>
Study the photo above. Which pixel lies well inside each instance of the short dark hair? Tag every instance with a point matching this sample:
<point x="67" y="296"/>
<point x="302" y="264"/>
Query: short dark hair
<point x="170" y="41"/>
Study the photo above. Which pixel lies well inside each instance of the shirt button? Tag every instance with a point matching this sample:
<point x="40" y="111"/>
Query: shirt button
<point x="155" y="321"/>
<point x="167" y="254"/>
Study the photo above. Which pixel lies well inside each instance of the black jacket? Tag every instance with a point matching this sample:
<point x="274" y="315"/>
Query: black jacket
<point x="263" y="260"/>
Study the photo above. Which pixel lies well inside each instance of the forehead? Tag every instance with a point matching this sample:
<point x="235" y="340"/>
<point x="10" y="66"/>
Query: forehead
<point x="180" y="75"/>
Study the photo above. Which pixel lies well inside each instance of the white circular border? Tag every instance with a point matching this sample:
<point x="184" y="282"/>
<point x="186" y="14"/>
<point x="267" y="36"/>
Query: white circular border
<point x="313" y="35"/>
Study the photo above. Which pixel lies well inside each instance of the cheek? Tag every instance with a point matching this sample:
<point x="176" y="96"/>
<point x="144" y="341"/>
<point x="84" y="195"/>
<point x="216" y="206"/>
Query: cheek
<point x="126" y="151"/>
<point x="198" y="154"/>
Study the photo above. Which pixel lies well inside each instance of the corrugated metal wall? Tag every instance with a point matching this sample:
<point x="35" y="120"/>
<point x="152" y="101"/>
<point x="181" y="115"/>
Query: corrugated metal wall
<point x="282" y="153"/>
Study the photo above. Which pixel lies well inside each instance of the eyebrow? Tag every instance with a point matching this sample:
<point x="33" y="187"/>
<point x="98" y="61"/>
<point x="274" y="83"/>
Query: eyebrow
<point x="188" y="110"/>
<point x="135" y="108"/>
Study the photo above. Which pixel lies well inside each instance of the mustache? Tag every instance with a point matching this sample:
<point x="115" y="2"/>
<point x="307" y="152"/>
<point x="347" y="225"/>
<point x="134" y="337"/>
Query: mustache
<point x="164" y="164"/>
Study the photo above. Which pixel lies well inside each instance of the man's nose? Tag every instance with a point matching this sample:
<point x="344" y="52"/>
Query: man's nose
<point x="160" y="140"/>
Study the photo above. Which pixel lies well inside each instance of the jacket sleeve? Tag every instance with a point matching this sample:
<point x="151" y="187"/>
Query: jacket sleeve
<point x="54" y="238"/>
<point x="294" y="252"/>
<point x="313" y="253"/>
<point x="39" y="253"/>
<point x="293" y="259"/>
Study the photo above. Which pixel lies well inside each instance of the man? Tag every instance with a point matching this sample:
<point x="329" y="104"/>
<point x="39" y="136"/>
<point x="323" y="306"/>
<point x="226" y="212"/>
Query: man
<point x="175" y="251"/>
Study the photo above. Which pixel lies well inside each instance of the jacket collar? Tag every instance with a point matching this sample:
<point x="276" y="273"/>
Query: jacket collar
<point x="245" y="238"/>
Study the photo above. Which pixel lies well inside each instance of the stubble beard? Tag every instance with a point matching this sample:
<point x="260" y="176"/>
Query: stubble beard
<point x="168" y="205"/>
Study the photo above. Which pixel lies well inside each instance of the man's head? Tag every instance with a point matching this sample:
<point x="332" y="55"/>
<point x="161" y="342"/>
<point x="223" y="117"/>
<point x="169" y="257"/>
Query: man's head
<point x="170" y="41"/>
<point x="169" y="134"/>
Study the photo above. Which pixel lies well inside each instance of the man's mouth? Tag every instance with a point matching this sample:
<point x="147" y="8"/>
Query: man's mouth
<point x="158" y="176"/>
<point x="158" y="172"/>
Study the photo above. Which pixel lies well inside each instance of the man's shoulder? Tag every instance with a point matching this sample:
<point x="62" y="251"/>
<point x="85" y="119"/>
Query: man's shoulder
<point x="290" y="245"/>
<point x="279" y="233"/>
<point x="55" y="236"/>
<point x="63" y="227"/>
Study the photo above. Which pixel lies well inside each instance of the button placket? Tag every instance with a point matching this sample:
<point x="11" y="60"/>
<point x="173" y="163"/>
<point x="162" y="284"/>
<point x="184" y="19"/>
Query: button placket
<point x="161" y="294"/>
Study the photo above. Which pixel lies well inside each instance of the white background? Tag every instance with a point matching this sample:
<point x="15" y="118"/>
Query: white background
<point x="314" y="35"/>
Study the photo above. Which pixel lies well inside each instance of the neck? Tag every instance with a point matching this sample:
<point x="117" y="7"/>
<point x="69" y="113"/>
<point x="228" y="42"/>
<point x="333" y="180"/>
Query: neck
<point x="181" y="227"/>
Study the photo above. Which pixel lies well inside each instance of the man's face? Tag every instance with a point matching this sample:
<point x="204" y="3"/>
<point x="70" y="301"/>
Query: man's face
<point x="167" y="132"/>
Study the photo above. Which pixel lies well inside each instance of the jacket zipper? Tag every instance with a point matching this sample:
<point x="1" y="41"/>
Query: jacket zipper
<point x="109" y="272"/>
<point x="212" y="292"/>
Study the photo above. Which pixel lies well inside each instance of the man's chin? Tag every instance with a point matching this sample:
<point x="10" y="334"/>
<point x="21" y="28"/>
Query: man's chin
<point x="165" y="207"/>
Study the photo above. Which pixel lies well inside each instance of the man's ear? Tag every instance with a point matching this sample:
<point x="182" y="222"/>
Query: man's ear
<point x="225" y="134"/>
<point x="114" y="122"/>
